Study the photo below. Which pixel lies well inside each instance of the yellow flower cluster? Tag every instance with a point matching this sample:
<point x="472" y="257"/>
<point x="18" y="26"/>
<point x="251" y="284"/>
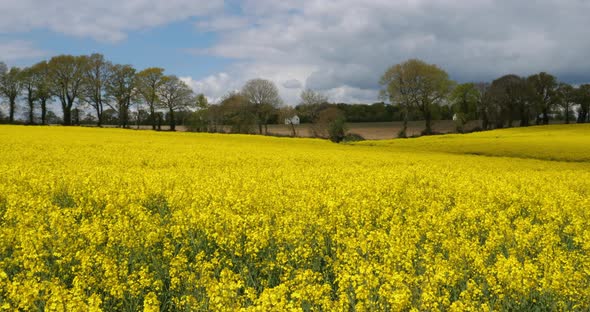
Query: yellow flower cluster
<point x="120" y="220"/>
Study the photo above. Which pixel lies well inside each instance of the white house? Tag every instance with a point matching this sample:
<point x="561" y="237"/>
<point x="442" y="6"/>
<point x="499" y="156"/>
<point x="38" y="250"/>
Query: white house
<point x="292" y="121"/>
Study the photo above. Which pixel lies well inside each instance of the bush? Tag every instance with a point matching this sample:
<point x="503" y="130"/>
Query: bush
<point x="353" y="137"/>
<point x="337" y="130"/>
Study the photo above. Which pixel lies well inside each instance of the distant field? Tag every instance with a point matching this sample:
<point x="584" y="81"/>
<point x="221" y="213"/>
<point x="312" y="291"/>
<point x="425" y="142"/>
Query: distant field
<point x="555" y="142"/>
<point x="368" y="130"/>
<point x="118" y="220"/>
<point x="376" y="130"/>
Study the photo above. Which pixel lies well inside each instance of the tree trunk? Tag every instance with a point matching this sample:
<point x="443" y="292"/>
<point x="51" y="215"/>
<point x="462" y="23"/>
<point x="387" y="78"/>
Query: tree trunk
<point x="31" y="112"/>
<point x="484" y="122"/>
<point x="66" y="104"/>
<point x="545" y="116"/>
<point x="567" y="115"/>
<point x="583" y="115"/>
<point x="138" y="117"/>
<point x="43" y="111"/>
<point x="259" y="127"/>
<point x="524" y="118"/>
<point x="172" y="121"/>
<point x="428" y="122"/>
<point x="152" y="117"/>
<point x="98" y="115"/>
<point x="11" y="110"/>
<point x="67" y="117"/>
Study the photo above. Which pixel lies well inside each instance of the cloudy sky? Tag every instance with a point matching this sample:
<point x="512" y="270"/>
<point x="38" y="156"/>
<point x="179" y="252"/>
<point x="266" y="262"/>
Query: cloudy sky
<point x="339" y="47"/>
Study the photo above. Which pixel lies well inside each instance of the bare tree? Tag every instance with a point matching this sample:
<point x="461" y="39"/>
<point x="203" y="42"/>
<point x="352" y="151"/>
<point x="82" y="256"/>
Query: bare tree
<point x="311" y="103"/>
<point x="175" y="95"/>
<point x="263" y="97"/>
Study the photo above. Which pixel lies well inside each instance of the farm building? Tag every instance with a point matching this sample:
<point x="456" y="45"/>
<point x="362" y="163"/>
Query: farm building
<point x="292" y="120"/>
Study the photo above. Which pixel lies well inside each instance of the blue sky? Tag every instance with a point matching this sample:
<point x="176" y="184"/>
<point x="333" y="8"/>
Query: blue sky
<point x="166" y="46"/>
<point x="338" y="47"/>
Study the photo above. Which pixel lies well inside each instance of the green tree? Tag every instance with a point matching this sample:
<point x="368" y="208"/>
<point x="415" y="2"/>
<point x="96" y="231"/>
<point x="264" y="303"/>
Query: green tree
<point x="175" y="95"/>
<point x="3" y="71"/>
<point x="584" y="100"/>
<point x="201" y="101"/>
<point x="11" y="86"/>
<point x="464" y="100"/>
<point x="29" y="84"/>
<point x="337" y="129"/>
<point x="416" y="85"/>
<point x="97" y="76"/>
<point x="237" y="113"/>
<point x="149" y="84"/>
<point x="263" y="98"/>
<point x="568" y="96"/>
<point x="544" y="93"/>
<point x="40" y="72"/>
<point x="485" y="106"/>
<point x="513" y="95"/>
<point x="120" y="89"/>
<point x="67" y="76"/>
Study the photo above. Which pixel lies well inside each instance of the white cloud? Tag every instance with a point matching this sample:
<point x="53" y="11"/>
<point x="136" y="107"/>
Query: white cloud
<point x="223" y="23"/>
<point x="346" y="45"/>
<point x="18" y="50"/>
<point x="340" y="47"/>
<point x="292" y="84"/>
<point x="106" y="20"/>
<point x="213" y="87"/>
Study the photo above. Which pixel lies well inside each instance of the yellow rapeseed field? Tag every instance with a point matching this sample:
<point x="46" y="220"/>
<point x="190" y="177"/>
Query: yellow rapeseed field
<point x="122" y="220"/>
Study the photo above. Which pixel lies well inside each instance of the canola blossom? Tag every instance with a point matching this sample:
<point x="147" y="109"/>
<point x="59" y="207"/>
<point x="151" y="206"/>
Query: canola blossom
<point x="122" y="220"/>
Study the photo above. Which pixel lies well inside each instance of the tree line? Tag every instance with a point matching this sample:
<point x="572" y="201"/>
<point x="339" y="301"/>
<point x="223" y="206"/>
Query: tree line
<point x="92" y="89"/>
<point x="90" y="82"/>
<point x="415" y="86"/>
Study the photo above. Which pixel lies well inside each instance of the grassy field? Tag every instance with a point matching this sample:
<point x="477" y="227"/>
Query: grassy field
<point x="111" y="219"/>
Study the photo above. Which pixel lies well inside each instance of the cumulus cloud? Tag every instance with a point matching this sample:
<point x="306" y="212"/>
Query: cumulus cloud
<point x="340" y="47"/>
<point x="214" y="87"/>
<point x="223" y="23"/>
<point x="348" y="44"/>
<point x="106" y="20"/>
<point x="292" y="84"/>
<point x="19" y="50"/>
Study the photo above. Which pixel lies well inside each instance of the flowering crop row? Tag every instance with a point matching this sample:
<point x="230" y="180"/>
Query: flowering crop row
<point x="108" y="219"/>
